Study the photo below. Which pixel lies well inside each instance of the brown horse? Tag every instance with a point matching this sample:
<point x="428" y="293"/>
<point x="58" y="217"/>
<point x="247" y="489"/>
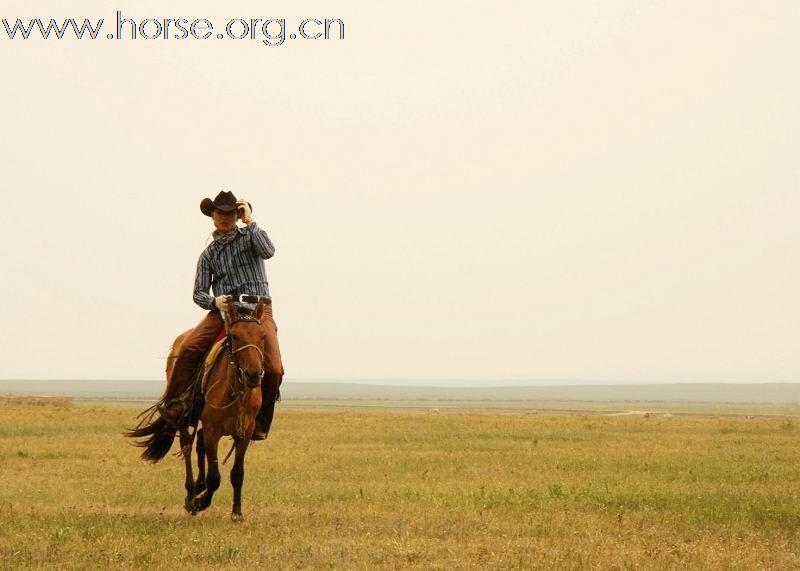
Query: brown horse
<point x="232" y="399"/>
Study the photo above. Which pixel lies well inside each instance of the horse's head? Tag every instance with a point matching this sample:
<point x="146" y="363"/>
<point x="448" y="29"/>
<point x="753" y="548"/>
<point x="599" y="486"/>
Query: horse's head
<point x="246" y="337"/>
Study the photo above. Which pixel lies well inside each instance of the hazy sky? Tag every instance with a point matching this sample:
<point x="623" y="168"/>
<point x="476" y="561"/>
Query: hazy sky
<point x="506" y="192"/>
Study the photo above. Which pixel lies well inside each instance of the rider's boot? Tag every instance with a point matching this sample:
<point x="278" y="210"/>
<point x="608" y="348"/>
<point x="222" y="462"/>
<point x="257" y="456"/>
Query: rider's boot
<point x="264" y="418"/>
<point x="177" y="402"/>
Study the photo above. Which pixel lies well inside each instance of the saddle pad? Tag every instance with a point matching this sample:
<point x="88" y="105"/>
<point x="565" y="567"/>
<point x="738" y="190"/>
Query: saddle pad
<point x="211" y="357"/>
<point x="212" y="354"/>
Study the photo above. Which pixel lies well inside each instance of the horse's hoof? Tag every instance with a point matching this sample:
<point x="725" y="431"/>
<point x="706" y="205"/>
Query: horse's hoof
<point x="199" y="503"/>
<point x="236" y="517"/>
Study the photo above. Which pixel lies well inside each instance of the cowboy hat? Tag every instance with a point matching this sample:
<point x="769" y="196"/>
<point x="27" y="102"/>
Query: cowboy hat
<point x="224" y="201"/>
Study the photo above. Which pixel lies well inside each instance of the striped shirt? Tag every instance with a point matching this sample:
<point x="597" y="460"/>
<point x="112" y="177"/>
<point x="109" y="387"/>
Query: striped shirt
<point x="233" y="264"/>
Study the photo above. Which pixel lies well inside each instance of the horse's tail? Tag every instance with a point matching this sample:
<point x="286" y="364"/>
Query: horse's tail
<point x="158" y="437"/>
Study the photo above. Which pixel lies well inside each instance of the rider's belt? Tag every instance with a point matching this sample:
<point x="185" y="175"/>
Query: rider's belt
<point x="244" y="298"/>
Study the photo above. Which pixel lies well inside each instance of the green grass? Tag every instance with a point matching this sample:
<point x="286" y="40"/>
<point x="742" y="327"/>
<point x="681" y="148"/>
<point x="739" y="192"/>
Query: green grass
<point x="359" y="490"/>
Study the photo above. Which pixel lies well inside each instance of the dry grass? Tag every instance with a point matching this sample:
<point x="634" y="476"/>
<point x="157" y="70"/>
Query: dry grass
<point x="358" y="490"/>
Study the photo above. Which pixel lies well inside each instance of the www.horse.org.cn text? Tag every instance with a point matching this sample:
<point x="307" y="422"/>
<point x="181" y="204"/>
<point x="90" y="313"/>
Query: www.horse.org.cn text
<point x="269" y="31"/>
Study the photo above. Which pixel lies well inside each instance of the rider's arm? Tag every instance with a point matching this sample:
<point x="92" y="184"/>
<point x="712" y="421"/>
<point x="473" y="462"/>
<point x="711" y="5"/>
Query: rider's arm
<point x="202" y="283"/>
<point x="262" y="245"/>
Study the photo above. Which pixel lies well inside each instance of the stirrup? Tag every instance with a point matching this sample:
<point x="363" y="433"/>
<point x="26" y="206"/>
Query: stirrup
<point x="259" y="435"/>
<point x="263" y="426"/>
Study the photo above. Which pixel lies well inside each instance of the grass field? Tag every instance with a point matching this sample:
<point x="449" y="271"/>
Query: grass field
<point x="354" y="489"/>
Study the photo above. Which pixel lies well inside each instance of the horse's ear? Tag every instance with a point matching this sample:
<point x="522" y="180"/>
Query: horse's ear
<point x="260" y="310"/>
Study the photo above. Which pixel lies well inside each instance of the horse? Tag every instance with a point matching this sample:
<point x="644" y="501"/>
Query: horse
<point x="232" y="399"/>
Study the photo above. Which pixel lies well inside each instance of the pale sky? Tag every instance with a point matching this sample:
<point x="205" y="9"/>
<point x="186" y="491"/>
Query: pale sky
<point x="513" y="192"/>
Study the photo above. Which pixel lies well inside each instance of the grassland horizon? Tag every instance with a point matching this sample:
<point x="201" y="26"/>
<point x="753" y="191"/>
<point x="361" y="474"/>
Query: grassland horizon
<point x="405" y="389"/>
<point x="676" y="398"/>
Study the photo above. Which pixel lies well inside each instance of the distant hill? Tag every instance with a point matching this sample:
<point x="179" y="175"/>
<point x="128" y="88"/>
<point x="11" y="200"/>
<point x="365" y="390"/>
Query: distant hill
<point x="301" y="390"/>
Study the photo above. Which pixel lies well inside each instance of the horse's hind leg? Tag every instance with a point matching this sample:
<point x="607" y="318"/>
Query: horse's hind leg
<point x="237" y="479"/>
<point x="210" y="441"/>
<point x="186" y="451"/>
<point x="200" y="484"/>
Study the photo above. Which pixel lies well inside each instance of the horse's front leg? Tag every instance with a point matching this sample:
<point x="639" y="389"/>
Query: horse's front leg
<point x="200" y="484"/>
<point x="186" y="452"/>
<point x="237" y="478"/>
<point x="210" y="443"/>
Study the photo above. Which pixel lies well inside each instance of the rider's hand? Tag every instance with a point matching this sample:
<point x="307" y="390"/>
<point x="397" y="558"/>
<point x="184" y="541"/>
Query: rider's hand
<point x="223" y="302"/>
<point x="244" y="211"/>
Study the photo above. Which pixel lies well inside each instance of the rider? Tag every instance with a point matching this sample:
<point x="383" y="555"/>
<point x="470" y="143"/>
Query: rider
<point x="231" y="266"/>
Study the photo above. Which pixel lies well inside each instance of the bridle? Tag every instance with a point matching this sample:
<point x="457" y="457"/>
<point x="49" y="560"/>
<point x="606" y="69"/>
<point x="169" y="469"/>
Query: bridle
<point x="233" y="352"/>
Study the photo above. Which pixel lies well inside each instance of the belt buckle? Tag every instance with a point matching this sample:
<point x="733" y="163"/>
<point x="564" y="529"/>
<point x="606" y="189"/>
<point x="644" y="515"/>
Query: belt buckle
<point x="254" y="299"/>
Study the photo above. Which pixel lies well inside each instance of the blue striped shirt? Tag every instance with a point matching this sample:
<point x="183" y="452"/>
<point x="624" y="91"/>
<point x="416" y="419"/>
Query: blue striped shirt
<point x="233" y="265"/>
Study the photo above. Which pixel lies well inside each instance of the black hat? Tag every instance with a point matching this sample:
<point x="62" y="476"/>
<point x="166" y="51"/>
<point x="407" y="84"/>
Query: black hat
<point x="224" y="201"/>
